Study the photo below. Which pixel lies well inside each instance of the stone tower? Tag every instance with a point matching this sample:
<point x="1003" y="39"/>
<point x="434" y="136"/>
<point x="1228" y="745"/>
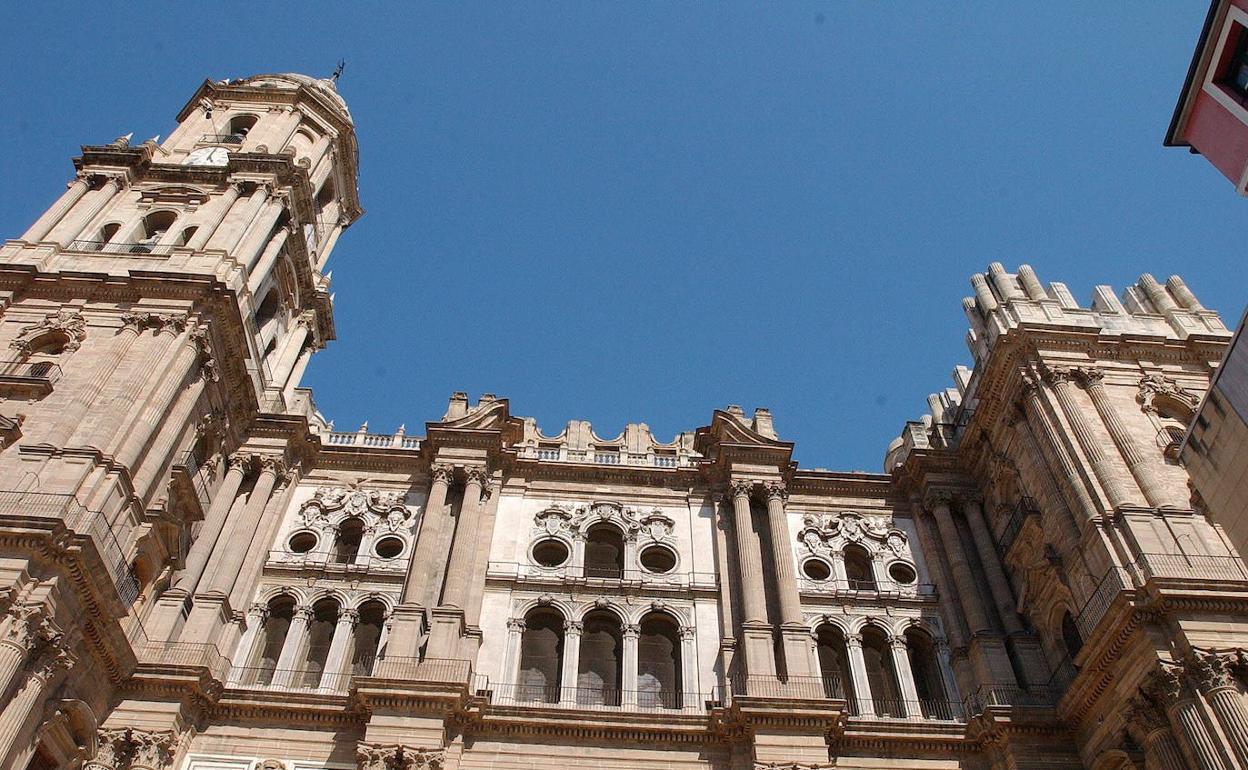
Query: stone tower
<point x="162" y="309"/>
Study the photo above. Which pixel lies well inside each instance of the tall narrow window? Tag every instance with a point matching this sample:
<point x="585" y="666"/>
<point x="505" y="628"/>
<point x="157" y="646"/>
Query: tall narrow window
<point x="273" y="638"/>
<point x="347" y="543"/>
<point x="602" y="660"/>
<point x="658" y="663"/>
<point x="541" y="657"/>
<point x="928" y="682"/>
<point x="838" y="682"/>
<point x="320" y="636"/>
<point x="881" y="676"/>
<point x="858" y="568"/>
<point x="367" y="638"/>
<point x="604" y="552"/>
<point x="1072" y="640"/>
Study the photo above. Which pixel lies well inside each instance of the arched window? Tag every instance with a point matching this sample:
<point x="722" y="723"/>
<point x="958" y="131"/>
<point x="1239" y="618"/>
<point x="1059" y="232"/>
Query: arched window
<point x="604" y="552"/>
<point x="154" y="226"/>
<point x="1072" y="640"/>
<point x="107" y="233"/>
<point x="239" y="126"/>
<point x="928" y="682"/>
<point x="541" y="656"/>
<point x="273" y="637"/>
<point x="367" y="637"/>
<point x="658" y="662"/>
<point x="838" y="682"/>
<point x="347" y="542"/>
<point x="301" y="145"/>
<point x="858" y="568"/>
<point x="187" y="234"/>
<point x="320" y="636"/>
<point x="602" y="660"/>
<point x="881" y="676"/>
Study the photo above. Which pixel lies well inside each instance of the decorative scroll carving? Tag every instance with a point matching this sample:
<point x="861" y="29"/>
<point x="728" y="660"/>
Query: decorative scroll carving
<point x="378" y="509"/>
<point x="655" y="526"/>
<point x="397" y="756"/>
<point x="66" y="324"/>
<point x="828" y="533"/>
<point x="1156" y="390"/>
<point x="130" y="749"/>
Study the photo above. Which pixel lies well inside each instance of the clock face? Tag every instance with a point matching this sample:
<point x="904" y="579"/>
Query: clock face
<point x="208" y="156"/>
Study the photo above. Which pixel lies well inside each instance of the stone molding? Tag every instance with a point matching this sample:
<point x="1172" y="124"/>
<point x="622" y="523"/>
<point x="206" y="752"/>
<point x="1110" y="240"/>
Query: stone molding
<point x="130" y="749"/>
<point x="397" y="756"/>
<point x="66" y="323"/>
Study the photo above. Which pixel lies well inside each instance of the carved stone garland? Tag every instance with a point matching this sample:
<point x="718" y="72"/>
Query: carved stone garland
<point x="396" y="756"/>
<point x="556" y="521"/>
<point x="130" y="749"/>
<point x="380" y="511"/>
<point x="67" y="323"/>
<point x="827" y="533"/>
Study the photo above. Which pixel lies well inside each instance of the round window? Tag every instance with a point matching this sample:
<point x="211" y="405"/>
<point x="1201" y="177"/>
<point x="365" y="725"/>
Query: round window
<point x="658" y="559"/>
<point x="388" y="547"/>
<point x="302" y="542"/>
<point x="902" y="574"/>
<point x="550" y="553"/>
<point x="816" y="569"/>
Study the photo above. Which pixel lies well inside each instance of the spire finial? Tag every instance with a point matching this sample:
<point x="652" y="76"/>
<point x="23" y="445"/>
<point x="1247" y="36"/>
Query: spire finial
<point x="338" y="71"/>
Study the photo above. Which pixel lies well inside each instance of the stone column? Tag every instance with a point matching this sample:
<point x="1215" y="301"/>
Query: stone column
<point x="1216" y="683"/>
<point x="628" y="679"/>
<point x="257" y="614"/>
<point x="511" y="653"/>
<point x="1059" y="380"/>
<point x="140" y="363"/>
<point x="25" y="627"/>
<point x="756" y="632"/>
<point x="214" y="218"/>
<point x="335" y="675"/>
<point x="292" y="649"/>
<point x="71" y="224"/>
<point x="161" y="454"/>
<point x="44" y="224"/>
<point x="249" y="249"/>
<point x="262" y="539"/>
<point x="1142" y="468"/>
<point x="1169" y="690"/>
<point x="1002" y="595"/>
<point x="230" y="232"/>
<point x="1032" y="451"/>
<point x="571" y="661"/>
<point x="1149" y="727"/>
<point x="968" y="592"/>
<point x="238" y="532"/>
<point x="459" y="572"/>
<point x="85" y="394"/>
<point x="794" y="634"/>
<point x="858" y="670"/>
<point x="910" y="706"/>
<point x="689" y="684"/>
<point x="292" y="349"/>
<point x="214" y="522"/>
<point x="155" y="405"/>
<point x="948" y="679"/>
<point x="260" y="271"/>
<point x="1034" y="409"/>
<point x="44" y="671"/>
<point x="419" y="591"/>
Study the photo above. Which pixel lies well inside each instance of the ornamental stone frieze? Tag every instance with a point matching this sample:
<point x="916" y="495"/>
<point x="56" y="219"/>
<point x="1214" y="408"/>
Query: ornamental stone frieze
<point x="130" y="749"/>
<point x="66" y="323"/>
<point x="554" y="521"/>
<point x="379" y="510"/>
<point x="794" y="765"/>
<point x="1156" y="389"/>
<point x="396" y="756"/>
<point x="826" y="533"/>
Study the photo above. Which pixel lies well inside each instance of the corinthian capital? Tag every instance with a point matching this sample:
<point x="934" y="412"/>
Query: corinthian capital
<point x="1056" y="375"/>
<point x="271" y="464"/>
<point x="443" y="473"/>
<point x="130" y="749"/>
<point x="1088" y="377"/>
<point x="397" y="756"/>
<point x="479" y="475"/>
<point x="741" y="487"/>
<point x="776" y="490"/>
<point x="937" y="497"/>
<point x="1209" y="670"/>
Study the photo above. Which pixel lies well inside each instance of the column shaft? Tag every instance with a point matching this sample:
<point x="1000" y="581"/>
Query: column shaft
<point x="749" y="560"/>
<point x="1203" y="750"/>
<point x="782" y="557"/>
<point x="459" y="572"/>
<point x="628" y="686"/>
<point x="334" y="677"/>
<point x="1137" y="461"/>
<point x="1228" y="706"/>
<point x="418" y="588"/>
<point x="210" y="531"/>
<point x="260" y="271"/>
<point x="142" y="429"/>
<point x="161" y="454"/>
<point x="968" y="592"/>
<point x="257" y="552"/>
<point x="1066" y="470"/>
<point x="571" y="662"/>
<point x="861" y="703"/>
<point x="905" y="677"/>
<point x="250" y="248"/>
<point x="955" y="623"/>
<point x="70" y="226"/>
<point x="12" y="658"/>
<point x="227" y="560"/>
<point x="221" y="207"/>
<point x="1164" y="751"/>
<point x="86" y="394"/>
<point x="44" y="224"/>
<point x="292" y="648"/>
<point x="1059" y="379"/>
<point x="1002" y="595"/>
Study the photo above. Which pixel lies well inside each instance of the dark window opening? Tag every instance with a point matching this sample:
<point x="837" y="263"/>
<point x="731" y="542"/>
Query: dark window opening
<point x="320" y="636"/>
<point x="928" y="681"/>
<point x="347" y="544"/>
<point x="604" y="552"/>
<point x="541" y="657"/>
<point x="602" y="660"/>
<point x="658" y="663"/>
<point x="881" y="675"/>
<point x="838" y="682"/>
<point x="858" y="568"/>
<point x="367" y="638"/>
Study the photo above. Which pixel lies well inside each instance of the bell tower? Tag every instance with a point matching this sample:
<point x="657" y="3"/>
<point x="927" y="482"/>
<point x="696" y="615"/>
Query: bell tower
<point x="163" y="307"/>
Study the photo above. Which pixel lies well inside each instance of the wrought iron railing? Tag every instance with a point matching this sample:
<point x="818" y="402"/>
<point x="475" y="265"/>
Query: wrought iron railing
<point x="42" y="371"/>
<point x="593" y="698"/>
<point x="1193" y="567"/>
<point x="1025" y="508"/>
<point x="199" y="477"/>
<point x="222" y="138"/>
<point x="109" y="247"/>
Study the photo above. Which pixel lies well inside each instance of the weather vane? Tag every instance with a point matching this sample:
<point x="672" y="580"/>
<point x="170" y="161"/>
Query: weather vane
<point x="338" y="70"/>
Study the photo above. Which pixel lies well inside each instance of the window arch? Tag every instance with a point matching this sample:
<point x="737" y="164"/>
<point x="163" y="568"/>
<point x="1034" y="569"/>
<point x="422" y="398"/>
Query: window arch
<point x="281" y="613"/>
<point x="858" y="568"/>
<point x="106" y="234"/>
<point x="366" y="640"/>
<point x="659" y="673"/>
<point x="838" y="681"/>
<point x="241" y="125"/>
<point x="151" y="230"/>
<point x="347" y="541"/>
<point x="320" y="636"/>
<point x="928" y="680"/>
<point x="881" y="675"/>
<point x="601" y="660"/>
<point x="541" y="656"/>
<point x="604" y="552"/>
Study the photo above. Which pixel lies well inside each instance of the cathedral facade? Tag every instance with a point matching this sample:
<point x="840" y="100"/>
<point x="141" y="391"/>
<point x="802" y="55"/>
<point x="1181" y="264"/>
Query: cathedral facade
<point x="198" y="573"/>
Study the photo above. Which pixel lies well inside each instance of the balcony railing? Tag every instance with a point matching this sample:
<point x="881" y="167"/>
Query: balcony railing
<point x="567" y="572"/>
<point x="222" y="138"/>
<point x="867" y="588"/>
<point x="40" y="371"/>
<point x="1114" y="582"/>
<point x="267" y="678"/>
<point x="593" y="698"/>
<point x="199" y="477"/>
<point x="443" y="670"/>
<point x="79" y="520"/>
<point x="1193" y="567"/>
<point x="329" y="562"/>
<point x="109" y="247"/>
<point x="1025" y="508"/>
<point x="378" y="440"/>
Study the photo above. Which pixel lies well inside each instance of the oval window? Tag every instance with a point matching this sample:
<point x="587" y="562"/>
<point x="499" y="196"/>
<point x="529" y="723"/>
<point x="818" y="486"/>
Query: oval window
<point x="302" y="542"/>
<point x="903" y="574"/>
<point x="550" y="553"/>
<point x="388" y="547"/>
<point x="658" y="559"/>
<point x="816" y="569"/>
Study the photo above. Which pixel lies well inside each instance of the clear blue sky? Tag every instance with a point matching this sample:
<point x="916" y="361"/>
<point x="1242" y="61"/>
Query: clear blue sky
<point x="641" y="212"/>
